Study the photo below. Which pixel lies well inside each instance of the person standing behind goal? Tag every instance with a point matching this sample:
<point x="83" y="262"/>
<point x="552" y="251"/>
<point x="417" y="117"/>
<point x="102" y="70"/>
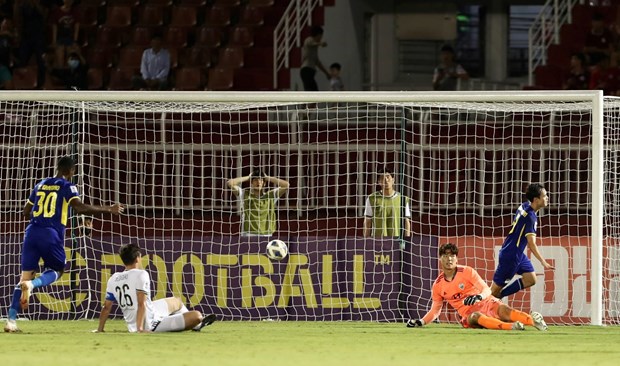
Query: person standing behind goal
<point x="385" y="208"/>
<point x="258" y="217"/>
<point x="131" y="290"/>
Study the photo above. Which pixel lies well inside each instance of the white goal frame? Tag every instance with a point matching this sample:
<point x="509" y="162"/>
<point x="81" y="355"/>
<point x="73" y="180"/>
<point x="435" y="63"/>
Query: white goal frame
<point x="593" y="99"/>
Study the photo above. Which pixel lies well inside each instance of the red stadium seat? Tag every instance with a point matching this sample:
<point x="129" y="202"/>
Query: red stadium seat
<point x="159" y="2"/>
<point x="108" y="37"/>
<point x="120" y="78"/>
<point x="151" y="15"/>
<point x="217" y="16"/>
<point x="209" y="37"/>
<point x="183" y="16"/>
<point x="227" y="3"/>
<point x="141" y="37"/>
<point x="25" y="78"/>
<point x="175" y="37"/>
<point x="241" y="37"/>
<point x="251" y="16"/>
<point x="195" y="3"/>
<point x="99" y="57"/>
<point x="89" y="16"/>
<point x="195" y="56"/>
<point x="130" y="57"/>
<point x="189" y="78"/>
<point x="118" y="17"/>
<point x="231" y="57"/>
<point x="174" y="57"/>
<point x="220" y="79"/>
<point x="130" y="3"/>
<point x="261" y="3"/>
<point x="95" y="78"/>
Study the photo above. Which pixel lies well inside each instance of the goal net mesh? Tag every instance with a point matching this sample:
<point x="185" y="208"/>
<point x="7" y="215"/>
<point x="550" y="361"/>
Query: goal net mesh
<point x="461" y="168"/>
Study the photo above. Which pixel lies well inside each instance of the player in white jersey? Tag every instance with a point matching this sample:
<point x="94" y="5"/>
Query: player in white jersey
<point x="131" y="290"/>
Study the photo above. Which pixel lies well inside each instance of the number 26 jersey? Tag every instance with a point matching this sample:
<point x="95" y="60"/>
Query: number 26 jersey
<point x="123" y="288"/>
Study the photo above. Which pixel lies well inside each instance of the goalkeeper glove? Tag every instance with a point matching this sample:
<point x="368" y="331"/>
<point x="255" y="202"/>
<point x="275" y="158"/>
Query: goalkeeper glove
<point x="414" y="323"/>
<point x="470" y="300"/>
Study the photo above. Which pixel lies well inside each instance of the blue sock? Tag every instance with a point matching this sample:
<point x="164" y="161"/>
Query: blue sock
<point x="512" y="288"/>
<point x="47" y="277"/>
<point x="15" y="304"/>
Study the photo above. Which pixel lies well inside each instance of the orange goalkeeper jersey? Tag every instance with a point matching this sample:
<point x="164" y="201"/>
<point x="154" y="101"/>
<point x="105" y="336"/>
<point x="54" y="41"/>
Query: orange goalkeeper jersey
<point x="466" y="282"/>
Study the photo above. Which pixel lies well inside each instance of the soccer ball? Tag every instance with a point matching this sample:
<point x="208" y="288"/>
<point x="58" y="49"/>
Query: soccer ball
<point x="277" y="250"/>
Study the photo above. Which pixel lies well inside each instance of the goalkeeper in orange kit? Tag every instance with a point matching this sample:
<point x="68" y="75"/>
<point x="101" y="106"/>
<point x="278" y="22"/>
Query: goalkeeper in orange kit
<point x="466" y="292"/>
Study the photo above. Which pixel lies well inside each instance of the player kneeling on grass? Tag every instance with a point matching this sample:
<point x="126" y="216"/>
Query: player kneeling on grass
<point x="131" y="290"/>
<point x="466" y="292"/>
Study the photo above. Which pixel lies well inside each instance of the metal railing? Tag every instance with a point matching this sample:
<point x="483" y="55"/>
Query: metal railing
<point x="545" y="31"/>
<point x="287" y="35"/>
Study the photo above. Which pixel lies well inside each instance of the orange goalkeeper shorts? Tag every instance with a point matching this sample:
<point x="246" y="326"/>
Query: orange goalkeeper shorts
<point x="489" y="307"/>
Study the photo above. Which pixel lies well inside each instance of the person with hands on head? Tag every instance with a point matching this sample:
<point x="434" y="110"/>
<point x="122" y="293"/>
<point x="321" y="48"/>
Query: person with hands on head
<point x="466" y="292"/>
<point x="258" y="211"/>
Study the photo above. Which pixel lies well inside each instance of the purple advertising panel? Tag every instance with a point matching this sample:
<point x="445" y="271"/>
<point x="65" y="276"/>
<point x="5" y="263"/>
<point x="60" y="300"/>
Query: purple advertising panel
<point x="321" y="278"/>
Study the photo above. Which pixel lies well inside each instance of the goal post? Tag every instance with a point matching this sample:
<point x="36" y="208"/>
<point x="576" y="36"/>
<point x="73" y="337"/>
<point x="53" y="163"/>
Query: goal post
<point x="460" y="161"/>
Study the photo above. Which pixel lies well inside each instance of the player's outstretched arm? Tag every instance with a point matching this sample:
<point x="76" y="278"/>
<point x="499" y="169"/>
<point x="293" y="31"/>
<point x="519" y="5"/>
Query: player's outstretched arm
<point x="83" y="209"/>
<point x="103" y="317"/>
<point x="531" y="245"/>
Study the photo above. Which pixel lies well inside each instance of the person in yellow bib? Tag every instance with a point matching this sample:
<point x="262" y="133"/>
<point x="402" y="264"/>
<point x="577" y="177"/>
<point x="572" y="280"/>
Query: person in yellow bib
<point x="258" y="206"/>
<point x="385" y="209"/>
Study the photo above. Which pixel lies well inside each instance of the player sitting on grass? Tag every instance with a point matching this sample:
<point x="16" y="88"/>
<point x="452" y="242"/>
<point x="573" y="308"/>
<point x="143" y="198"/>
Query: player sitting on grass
<point x="131" y="290"/>
<point x="48" y="210"/>
<point x="464" y="290"/>
<point x="512" y="259"/>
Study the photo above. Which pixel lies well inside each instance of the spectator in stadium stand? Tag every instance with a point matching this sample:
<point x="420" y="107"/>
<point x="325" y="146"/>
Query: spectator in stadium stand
<point x="75" y="75"/>
<point x="606" y="77"/>
<point x="335" y="81"/>
<point x="310" y="59"/>
<point x="7" y="42"/>
<point x="65" y="29"/>
<point x="599" y="41"/>
<point x="578" y="76"/>
<point x="30" y="20"/>
<point x="154" y="68"/>
<point x="448" y="72"/>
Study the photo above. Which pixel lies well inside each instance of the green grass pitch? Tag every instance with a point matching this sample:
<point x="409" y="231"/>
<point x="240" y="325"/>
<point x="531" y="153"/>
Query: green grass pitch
<point x="50" y="343"/>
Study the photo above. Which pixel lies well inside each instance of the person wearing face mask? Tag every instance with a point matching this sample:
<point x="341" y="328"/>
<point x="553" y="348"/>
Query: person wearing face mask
<point x="75" y="75"/>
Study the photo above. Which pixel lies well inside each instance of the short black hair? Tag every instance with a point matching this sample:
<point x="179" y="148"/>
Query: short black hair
<point x="447" y="48"/>
<point x="448" y="247"/>
<point x="65" y="164"/>
<point x="581" y="57"/>
<point x="74" y="55"/>
<point x="157" y="36"/>
<point x="258" y="174"/>
<point x="316" y="31"/>
<point x="129" y="253"/>
<point x="336" y="66"/>
<point x="383" y="169"/>
<point x="533" y="191"/>
<point x="598" y="17"/>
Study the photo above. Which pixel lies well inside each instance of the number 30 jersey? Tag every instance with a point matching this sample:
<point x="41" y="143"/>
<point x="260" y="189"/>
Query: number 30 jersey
<point x="123" y="288"/>
<point x="50" y="200"/>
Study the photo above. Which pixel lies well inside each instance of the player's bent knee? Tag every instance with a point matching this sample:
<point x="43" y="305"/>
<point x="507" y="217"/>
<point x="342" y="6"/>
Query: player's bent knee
<point x="529" y="279"/>
<point x="473" y="318"/>
<point x="192" y="319"/>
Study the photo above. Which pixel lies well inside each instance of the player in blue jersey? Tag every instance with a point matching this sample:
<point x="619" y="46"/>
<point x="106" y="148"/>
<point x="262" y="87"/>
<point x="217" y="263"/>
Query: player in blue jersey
<point x="48" y="210"/>
<point x="512" y="259"/>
